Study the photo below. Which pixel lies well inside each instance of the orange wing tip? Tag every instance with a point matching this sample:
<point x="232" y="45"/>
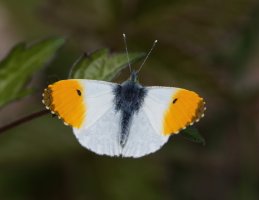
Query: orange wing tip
<point x="62" y="93"/>
<point x="182" y="114"/>
<point x="48" y="102"/>
<point x="195" y="120"/>
<point x="45" y="104"/>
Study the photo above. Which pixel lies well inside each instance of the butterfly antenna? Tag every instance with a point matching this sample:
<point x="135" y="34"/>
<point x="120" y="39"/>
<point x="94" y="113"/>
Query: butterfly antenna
<point x="126" y="48"/>
<point x="154" y="44"/>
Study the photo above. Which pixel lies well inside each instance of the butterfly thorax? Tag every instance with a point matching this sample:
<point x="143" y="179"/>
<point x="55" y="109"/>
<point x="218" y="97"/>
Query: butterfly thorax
<point x="129" y="97"/>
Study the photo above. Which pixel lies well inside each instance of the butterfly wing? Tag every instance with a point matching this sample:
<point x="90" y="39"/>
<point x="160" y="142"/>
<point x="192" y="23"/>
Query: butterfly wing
<point x="88" y="107"/>
<point x="165" y="111"/>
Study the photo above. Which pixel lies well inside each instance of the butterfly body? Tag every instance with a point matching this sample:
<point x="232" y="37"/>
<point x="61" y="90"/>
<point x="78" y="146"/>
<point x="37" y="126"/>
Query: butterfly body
<point x="128" y="97"/>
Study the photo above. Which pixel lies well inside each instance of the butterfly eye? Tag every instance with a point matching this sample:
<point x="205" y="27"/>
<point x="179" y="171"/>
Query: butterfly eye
<point x="79" y="92"/>
<point x="174" y="101"/>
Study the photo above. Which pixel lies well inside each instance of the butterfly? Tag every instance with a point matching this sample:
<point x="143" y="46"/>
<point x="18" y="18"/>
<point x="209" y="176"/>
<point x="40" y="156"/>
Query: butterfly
<point x="127" y="119"/>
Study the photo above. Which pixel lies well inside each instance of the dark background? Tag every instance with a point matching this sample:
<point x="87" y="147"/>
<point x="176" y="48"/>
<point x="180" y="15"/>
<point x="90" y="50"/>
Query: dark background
<point x="208" y="46"/>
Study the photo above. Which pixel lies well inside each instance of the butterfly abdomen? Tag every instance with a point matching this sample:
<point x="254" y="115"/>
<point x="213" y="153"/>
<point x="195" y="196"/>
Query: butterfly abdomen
<point x="129" y="98"/>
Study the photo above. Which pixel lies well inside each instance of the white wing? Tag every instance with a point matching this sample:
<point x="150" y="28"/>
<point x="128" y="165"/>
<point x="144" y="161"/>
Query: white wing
<point x="100" y="131"/>
<point x="143" y="139"/>
<point x="156" y="104"/>
<point x="103" y="136"/>
<point x="98" y="98"/>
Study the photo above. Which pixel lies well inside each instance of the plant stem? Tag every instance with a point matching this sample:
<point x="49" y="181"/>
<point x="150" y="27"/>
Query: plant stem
<point x="23" y="120"/>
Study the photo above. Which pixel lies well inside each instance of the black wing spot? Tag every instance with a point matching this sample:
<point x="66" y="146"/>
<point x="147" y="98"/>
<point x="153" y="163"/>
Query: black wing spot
<point x="174" y="101"/>
<point x="79" y="92"/>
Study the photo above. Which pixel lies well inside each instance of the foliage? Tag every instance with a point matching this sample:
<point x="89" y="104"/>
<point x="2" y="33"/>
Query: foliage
<point x="21" y="63"/>
<point x="192" y="134"/>
<point x="100" y="66"/>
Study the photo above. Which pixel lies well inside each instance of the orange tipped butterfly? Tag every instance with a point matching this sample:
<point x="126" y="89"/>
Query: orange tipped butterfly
<point x="128" y="119"/>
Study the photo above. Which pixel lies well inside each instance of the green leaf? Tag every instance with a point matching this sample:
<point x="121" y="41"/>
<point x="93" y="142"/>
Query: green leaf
<point x="102" y="66"/>
<point x="21" y="63"/>
<point x="193" y="135"/>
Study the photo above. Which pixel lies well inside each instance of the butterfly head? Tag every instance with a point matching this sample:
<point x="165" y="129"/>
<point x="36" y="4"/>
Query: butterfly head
<point x="134" y="76"/>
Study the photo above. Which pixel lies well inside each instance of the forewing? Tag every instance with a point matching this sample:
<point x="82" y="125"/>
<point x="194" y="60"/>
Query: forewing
<point x="172" y="109"/>
<point x="87" y="106"/>
<point x="99" y="99"/>
<point x="80" y="103"/>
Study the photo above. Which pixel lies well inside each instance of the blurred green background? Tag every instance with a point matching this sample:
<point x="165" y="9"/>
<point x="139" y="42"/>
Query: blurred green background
<point x="208" y="46"/>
